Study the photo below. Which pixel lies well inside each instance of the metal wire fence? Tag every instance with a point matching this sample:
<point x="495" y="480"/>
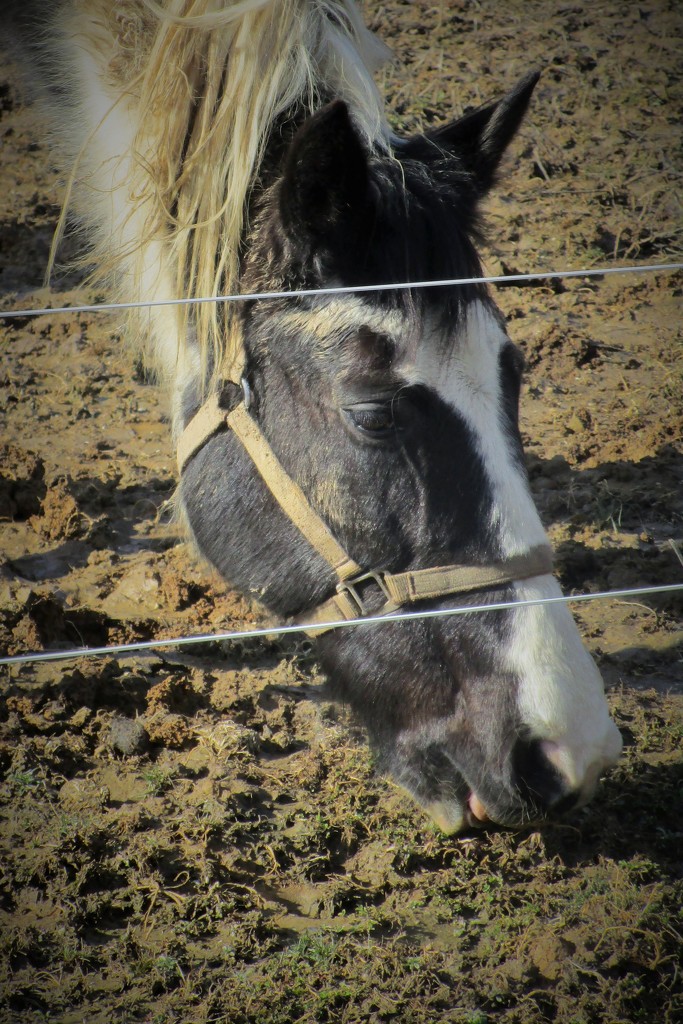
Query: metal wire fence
<point x="539" y="275"/>
<point x="374" y="620"/>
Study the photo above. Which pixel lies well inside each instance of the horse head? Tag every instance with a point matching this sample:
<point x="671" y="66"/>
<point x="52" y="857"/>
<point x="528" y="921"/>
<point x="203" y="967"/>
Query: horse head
<point x="396" y="414"/>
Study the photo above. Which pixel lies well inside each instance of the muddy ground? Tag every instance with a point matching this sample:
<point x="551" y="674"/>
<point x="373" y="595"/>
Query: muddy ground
<point x="199" y="835"/>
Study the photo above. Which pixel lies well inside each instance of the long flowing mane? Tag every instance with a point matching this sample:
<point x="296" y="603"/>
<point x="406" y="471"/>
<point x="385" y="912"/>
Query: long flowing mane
<point x="177" y="104"/>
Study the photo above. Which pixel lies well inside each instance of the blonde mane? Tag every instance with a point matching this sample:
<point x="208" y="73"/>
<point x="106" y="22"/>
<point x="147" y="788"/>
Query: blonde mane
<point x="174" y="110"/>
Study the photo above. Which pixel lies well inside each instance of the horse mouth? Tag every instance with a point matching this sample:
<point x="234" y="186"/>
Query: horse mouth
<point x="475" y="814"/>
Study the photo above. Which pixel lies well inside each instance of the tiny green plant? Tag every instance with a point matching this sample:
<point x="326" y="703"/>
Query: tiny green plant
<point x="158" y="779"/>
<point x="168" y="967"/>
<point x="24" y="781"/>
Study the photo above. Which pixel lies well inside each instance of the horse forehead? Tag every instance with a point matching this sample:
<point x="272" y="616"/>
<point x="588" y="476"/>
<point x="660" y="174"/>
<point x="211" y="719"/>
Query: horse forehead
<point x="420" y="336"/>
<point x="459" y="363"/>
<point x="462" y="366"/>
<point x="340" y="317"/>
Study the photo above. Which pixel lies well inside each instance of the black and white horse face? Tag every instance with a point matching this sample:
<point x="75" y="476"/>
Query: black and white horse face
<point x="397" y="416"/>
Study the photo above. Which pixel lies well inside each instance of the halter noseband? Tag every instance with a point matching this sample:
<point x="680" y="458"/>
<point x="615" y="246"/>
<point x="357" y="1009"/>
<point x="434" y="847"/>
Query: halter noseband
<point x="347" y="603"/>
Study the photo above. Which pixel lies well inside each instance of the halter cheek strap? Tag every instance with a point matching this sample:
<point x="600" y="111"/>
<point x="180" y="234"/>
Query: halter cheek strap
<point x="347" y="603"/>
<point x="209" y="420"/>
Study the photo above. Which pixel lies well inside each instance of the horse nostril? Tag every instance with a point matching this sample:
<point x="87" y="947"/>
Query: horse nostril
<point x="567" y="803"/>
<point x="538" y="781"/>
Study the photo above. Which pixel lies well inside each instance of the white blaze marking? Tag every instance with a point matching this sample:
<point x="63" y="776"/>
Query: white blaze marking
<point x="560" y="697"/>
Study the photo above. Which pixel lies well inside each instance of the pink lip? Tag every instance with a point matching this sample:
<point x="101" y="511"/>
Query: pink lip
<point x="477" y="810"/>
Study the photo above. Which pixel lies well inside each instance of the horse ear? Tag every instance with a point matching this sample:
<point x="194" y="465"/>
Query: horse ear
<point x="479" y="139"/>
<point x="325" y="175"/>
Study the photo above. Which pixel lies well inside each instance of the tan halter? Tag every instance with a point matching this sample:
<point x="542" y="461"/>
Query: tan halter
<point x="347" y="603"/>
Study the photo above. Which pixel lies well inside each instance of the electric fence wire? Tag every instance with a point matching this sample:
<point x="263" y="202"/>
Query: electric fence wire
<point x="540" y="275"/>
<point x="374" y="620"/>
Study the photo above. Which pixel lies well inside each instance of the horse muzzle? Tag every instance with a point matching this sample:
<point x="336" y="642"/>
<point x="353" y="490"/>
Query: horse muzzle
<point x="547" y="783"/>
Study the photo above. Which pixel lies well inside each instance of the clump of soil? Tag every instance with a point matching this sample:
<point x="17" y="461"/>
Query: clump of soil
<point x="198" y="835"/>
<point x="22" y="485"/>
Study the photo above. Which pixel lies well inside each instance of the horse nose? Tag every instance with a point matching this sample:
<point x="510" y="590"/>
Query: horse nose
<point x="551" y="777"/>
<point x="538" y="781"/>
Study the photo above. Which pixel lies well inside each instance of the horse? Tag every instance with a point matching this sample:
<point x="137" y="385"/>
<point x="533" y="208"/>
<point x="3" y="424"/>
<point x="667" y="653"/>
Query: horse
<point x="342" y="453"/>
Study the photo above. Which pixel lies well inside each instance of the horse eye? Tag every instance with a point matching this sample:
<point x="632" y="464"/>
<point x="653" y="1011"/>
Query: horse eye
<point x="373" y="419"/>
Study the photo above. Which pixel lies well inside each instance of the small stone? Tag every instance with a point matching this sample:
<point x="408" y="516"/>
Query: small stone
<point x="127" y="736"/>
<point x="80" y="717"/>
<point x="574" y="424"/>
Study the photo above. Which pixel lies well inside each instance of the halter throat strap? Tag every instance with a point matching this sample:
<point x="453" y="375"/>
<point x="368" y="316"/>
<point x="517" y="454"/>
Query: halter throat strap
<point x="398" y="589"/>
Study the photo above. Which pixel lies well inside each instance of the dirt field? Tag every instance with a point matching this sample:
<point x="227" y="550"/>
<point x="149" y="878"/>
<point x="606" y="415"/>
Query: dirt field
<point x="198" y="836"/>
